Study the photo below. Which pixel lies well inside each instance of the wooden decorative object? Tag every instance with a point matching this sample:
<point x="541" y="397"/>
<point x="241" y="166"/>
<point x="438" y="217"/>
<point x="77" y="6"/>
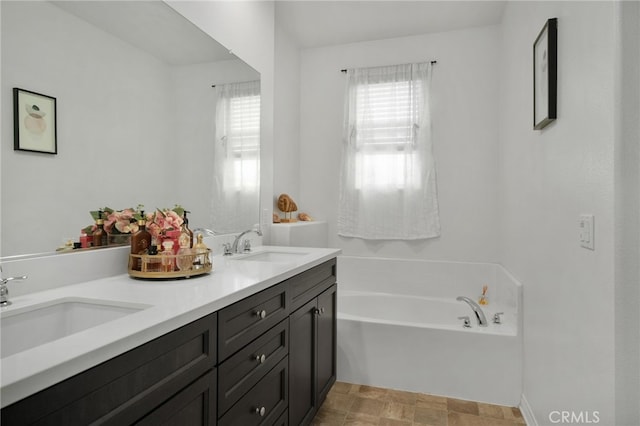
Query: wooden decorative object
<point x="305" y="217"/>
<point x="276" y="218"/>
<point x="287" y="205"/>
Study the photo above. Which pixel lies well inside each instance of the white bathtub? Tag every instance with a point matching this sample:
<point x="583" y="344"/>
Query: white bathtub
<point x="398" y="328"/>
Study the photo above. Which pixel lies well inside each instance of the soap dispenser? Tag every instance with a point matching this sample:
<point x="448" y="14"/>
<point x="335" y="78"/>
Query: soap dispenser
<point x="100" y="235"/>
<point x="140" y="240"/>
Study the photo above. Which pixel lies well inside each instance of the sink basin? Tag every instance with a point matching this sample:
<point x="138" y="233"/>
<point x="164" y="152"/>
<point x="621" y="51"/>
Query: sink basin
<point x="26" y="328"/>
<point x="273" y="256"/>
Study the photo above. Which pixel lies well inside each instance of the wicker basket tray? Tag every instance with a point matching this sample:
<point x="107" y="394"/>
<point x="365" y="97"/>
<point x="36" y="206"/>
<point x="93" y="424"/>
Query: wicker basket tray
<point x="162" y="266"/>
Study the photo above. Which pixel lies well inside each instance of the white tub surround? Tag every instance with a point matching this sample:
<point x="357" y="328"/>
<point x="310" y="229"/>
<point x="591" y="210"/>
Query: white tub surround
<point x="300" y="234"/>
<point x="172" y="304"/>
<point x="398" y="327"/>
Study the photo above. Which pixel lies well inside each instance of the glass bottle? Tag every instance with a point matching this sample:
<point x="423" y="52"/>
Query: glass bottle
<point x="167" y="256"/>
<point x="184" y="259"/>
<point x="201" y="252"/>
<point x="100" y="235"/>
<point x="140" y="241"/>
<point x="185" y="232"/>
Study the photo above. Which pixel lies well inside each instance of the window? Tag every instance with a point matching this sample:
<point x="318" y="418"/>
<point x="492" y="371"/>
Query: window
<point x="236" y="156"/>
<point x="388" y="186"/>
<point x="238" y="133"/>
<point x="385" y="135"/>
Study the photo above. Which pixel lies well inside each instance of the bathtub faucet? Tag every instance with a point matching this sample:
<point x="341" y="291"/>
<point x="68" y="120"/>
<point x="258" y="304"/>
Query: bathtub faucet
<point x="482" y="321"/>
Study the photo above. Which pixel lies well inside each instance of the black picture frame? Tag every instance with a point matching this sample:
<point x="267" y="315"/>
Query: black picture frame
<point x="545" y="75"/>
<point x="34" y="122"/>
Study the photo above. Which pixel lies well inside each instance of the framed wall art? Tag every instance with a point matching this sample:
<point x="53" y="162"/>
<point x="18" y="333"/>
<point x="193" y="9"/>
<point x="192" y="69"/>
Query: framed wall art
<point x="545" y="75"/>
<point x="34" y="122"/>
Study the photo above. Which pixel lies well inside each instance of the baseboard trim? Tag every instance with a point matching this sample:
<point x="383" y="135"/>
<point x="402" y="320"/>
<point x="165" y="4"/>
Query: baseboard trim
<point x="527" y="412"/>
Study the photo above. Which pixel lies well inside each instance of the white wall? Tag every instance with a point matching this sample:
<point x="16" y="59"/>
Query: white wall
<point x="627" y="230"/>
<point x="547" y="179"/>
<point x="286" y="158"/>
<point x="465" y="134"/>
<point x="99" y="153"/>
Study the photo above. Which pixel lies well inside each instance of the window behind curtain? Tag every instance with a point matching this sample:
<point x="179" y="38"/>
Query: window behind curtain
<point x="385" y="136"/>
<point x="238" y="127"/>
<point x="236" y="166"/>
<point x="388" y="187"/>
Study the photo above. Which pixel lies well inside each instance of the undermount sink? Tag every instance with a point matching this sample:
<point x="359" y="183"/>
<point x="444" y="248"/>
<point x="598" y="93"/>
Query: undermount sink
<point x="28" y="327"/>
<point x="273" y="256"/>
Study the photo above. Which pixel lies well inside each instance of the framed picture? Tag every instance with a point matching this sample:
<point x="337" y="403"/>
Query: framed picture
<point x="34" y="122"/>
<point x="545" y="75"/>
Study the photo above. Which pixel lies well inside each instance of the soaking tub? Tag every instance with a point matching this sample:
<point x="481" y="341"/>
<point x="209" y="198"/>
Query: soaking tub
<point x="398" y="328"/>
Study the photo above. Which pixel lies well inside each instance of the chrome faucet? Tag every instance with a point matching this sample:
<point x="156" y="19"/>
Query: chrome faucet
<point x="234" y="247"/>
<point x="482" y="320"/>
<point x="4" y="290"/>
<point x="204" y="231"/>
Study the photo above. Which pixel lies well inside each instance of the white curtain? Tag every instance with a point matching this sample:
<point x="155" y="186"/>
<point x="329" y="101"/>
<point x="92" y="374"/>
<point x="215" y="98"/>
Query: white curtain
<point x="388" y="176"/>
<point x="236" y="157"/>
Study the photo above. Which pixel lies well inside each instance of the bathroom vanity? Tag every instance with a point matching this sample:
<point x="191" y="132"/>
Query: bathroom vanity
<point x="262" y="350"/>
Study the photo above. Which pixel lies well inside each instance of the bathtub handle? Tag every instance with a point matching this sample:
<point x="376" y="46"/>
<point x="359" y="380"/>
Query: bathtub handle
<point x="466" y="323"/>
<point x="496" y="318"/>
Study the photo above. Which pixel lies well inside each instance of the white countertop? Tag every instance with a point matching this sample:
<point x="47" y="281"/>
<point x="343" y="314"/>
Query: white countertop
<point x="172" y="305"/>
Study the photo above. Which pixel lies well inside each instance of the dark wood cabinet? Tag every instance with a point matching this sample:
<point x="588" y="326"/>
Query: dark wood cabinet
<point x="264" y="403"/>
<point x="312" y="354"/>
<point x="242" y="371"/>
<point x="327" y="343"/>
<point x="193" y="406"/>
<point x="269" y="359"/>
<point x="128" y="387"/>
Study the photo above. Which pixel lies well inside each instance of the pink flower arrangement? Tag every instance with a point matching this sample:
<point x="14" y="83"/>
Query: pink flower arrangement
<point x="125" y="221"/>
<point x="121" y="222"/>
<point x="162" y="221"/>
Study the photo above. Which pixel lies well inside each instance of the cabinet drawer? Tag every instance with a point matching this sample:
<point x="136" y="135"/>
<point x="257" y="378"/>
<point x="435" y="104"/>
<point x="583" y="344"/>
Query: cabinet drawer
<point x="243" y="370"/>
<point x="307" y="285"/>
<point x="194" y="405"/>
<point x="125" y="388"/>
<point x="264" y="403"/>
<point x="249" y="318"/>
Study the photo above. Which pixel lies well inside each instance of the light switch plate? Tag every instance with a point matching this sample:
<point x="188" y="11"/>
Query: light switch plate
<point x="587" y="234"/>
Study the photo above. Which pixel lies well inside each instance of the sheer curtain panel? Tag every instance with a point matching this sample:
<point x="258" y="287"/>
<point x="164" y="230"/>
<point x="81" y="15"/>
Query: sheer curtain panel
<point x="236" y="166"/>
<point x="388" y="176"/>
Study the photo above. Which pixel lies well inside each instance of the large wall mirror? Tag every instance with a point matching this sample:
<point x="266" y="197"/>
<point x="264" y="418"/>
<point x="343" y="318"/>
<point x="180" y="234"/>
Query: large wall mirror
<point x="138" y="121"/>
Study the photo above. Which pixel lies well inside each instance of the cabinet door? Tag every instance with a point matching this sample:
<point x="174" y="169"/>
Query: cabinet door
<point x="326" y="343"/>
<point x="302" y="348"/>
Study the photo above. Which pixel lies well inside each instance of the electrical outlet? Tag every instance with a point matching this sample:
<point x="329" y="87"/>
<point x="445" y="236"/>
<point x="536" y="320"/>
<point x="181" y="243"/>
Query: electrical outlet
<point x="587" y="234"/>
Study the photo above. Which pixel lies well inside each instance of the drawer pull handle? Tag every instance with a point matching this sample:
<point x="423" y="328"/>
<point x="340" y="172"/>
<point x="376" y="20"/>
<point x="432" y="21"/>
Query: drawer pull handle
<point x="261" y="314"/>
<point x="319" y="311"/>
<point x="261" y="411"/>
<point x="261" y="358"/>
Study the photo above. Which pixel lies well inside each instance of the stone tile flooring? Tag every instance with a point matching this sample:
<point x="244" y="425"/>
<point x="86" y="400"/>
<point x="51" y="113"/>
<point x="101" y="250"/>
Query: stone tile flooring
<point x="360" y="405"/>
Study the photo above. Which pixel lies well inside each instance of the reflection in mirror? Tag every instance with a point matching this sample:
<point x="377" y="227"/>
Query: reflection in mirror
<point x="136" y="120"/>
<point x="236" y="167"/>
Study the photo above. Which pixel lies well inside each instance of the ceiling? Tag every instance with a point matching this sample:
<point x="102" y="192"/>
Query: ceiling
<point x="323" y="23"/>
<point x="152" y="26"/>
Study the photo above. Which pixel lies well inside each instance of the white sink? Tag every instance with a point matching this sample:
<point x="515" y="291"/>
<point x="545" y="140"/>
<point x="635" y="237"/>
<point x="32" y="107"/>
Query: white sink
<point x="273" y="256"/>
<point x="31" y="326"/>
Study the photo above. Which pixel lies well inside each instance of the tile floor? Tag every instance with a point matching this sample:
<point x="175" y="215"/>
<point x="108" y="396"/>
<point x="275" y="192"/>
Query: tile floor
<point x="360" y="405"/>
